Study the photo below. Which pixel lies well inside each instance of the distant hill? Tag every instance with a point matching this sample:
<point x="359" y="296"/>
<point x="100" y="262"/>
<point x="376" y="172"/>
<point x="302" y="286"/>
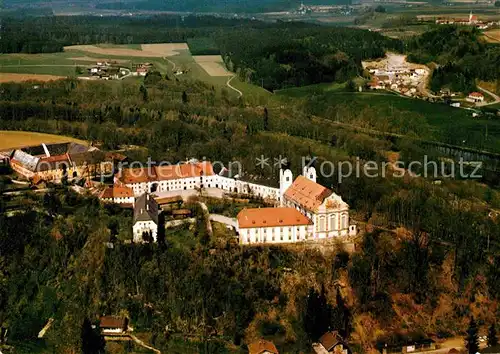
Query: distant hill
<point x="250" y="6"/>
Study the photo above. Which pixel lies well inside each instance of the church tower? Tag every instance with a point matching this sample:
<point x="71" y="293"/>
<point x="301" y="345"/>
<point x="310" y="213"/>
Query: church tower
<point x="286" y="180"/>
<point x="309" y="173"/>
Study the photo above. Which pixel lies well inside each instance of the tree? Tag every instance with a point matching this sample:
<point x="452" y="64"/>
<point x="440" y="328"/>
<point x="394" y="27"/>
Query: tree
<point x="472" y="340"/>
<point x="144" y="92"/>
<point x="497" y="3"/>
<point x="184" y="97"/>
<point x="380" y="9"/>
<point x="492" y="334"/>
<point x="266" y="119"/>
<point x="350" y="86"/>
<point x="92" y="343"/>
<point x="318" y="316"/>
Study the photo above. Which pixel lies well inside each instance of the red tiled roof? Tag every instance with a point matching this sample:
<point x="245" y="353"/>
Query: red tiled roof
<point x="138" y="175"/>
<point x="188" y="170"/>
<point x="308" y="194"/>
<point x="476" y="94"/>
<point x="271" y="217"/>
<point x="262" y="346"/>
<point x="166" y="172"/>
<point x="117" y="192"/>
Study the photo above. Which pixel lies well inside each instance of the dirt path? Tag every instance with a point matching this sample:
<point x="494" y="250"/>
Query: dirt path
<point x="174" y="66"/>
<point x="228" y="84"/>
<point x="144" y="345"/>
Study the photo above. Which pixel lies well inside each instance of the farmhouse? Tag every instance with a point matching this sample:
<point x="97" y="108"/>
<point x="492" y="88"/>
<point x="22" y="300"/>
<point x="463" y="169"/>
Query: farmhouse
<point x="475" y="97"/>
<point x="111" y="325"/>
<point x="145" y="226"/>
<point x="53" y="162"/>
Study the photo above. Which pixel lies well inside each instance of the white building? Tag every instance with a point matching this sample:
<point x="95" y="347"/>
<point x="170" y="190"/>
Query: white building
<point x="308" y="210"/>
<point x="327" y="211"/>
<point x="145" y="218"/>
<point x="189" y="176"/>
<point x="118" y="194"/>
<point x="475" y="97"/>
<point x="273" y="225"/>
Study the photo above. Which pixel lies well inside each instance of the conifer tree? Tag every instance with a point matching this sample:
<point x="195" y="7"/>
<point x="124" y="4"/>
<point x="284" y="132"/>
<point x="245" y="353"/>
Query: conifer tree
<point x="472" y="340"/>
<point x="492" y="336"/>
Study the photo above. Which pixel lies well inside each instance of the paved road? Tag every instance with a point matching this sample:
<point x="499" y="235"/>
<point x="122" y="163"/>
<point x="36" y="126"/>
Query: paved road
<point x="495" y="96"/>
<point x="228" y="84"/>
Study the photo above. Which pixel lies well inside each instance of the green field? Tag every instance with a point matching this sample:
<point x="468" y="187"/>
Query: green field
<point x="65" y="63"/>
<point x="412" y="117"/>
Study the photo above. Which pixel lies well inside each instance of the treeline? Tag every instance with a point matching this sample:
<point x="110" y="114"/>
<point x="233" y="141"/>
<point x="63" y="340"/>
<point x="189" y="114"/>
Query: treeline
<point x="461" y="54"/>
<point x="278" y="58"/>
<point x="50" y="34"/>
<point x="231" y="6"/>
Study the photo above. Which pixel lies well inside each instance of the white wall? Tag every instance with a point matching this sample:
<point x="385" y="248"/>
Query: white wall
<point x="144" y="226"/>
<point x="275" y="235"/>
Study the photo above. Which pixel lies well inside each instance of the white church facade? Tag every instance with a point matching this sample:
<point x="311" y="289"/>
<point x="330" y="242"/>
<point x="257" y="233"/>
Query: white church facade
<point x="324" y="214"/>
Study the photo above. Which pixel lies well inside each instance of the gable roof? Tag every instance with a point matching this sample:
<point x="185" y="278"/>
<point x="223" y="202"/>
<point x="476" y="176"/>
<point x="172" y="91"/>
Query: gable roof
<point x="271" y="217"/>
<point x="117" y="192"/>
<point x="112" y="322"/>
<point x="146" y="209"/>
<point x="308" y="194"/>
<point x="262" y="346"/>
<point x="330" y="339"/>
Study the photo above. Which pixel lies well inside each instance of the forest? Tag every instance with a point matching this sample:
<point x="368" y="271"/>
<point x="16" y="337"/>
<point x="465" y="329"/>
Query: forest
<point x="275" y="55"/>
<point x="429" y="254"/>
<point x="458" y="50"/>
<point x="289" y="57"/>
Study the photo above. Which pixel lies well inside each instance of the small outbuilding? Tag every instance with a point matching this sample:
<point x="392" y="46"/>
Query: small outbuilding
<point x="110" y="325"/>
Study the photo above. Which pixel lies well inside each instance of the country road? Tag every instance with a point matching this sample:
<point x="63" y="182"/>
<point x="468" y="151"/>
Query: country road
<point x="228" y="84"/>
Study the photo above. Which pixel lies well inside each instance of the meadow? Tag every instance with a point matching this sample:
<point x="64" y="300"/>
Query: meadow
<point x="15" y="139"/>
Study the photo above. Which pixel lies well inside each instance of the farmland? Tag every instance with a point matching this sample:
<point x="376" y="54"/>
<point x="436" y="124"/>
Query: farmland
<point x="15" y="139"/>
<point x="12" y="77"/>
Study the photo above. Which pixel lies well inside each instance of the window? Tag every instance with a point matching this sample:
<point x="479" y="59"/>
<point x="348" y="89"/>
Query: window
<point x="321" y="223"/>
<point x="333" y="222"/>
<point x="344" y="221"/>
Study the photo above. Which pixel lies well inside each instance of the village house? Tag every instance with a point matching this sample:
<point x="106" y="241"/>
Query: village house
<point x="332" y="343"/>
<point x="475" y="97"/>
<point x="145" y="227"/>
<point x="262" y="346"/>
<point x="113" y="325"/>
<point x="272" y="225"/>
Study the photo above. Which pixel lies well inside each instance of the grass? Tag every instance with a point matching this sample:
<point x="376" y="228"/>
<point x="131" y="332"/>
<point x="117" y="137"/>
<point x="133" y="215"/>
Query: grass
<point x="127" y="46"/>
<point x="14" y="139"/>
<point x="429" y="121"/>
